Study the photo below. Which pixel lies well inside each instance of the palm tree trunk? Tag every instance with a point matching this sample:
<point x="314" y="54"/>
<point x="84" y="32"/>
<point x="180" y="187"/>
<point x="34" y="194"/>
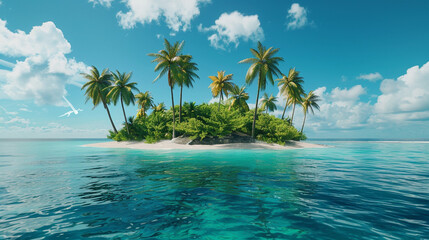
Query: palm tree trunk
<point x="256" y="112"/>
<point x="180" y="106"/>
<point x="125" y="116"/>
<point x="293" y="112"/>
<point x="108" y="112"/>
<point x="284" y="111"/>
<point x="303" y="122"/>
<point x="172" y="103"/>
<point x="220" y="98"/>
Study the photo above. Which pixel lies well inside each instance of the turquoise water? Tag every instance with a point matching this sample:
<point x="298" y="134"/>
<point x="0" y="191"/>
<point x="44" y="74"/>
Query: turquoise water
<point x="354" y="190"/>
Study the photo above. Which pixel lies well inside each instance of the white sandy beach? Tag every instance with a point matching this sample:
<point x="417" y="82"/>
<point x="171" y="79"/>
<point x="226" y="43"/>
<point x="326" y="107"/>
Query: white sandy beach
<point x="171" y="145"/>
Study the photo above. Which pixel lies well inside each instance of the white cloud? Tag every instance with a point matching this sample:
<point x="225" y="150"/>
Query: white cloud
<point x="7" y="112"/>
<point x="341" y="109"/>
<point x="214" y="100"/>
<point x="297" y="16"/>
<point x="50" y="130"/>
<point x="406" y="98"/>
<point x="401" y="101"/>
<point x="6" y="63"/>
<point x="106" y="3"/>
<point x="233" y="27"/>
<point x="25" y="110"/>
<point x="18" y="120"/>
<point x="178" y="14"/>
<point x="347" y="95"/>
<point x="371" y="76"/>
<point x="45" y="71"/>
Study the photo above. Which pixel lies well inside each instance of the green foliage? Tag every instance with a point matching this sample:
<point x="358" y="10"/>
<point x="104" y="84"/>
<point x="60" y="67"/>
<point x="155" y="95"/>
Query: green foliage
<point x="201" y="121"/>
<point x="274" y="130"/>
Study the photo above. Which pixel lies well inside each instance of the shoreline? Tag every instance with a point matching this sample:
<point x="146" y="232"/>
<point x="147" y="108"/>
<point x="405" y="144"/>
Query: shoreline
<point x="170" y="145"/>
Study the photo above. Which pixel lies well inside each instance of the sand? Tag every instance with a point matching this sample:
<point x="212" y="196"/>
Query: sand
<point x="171" y="145"/>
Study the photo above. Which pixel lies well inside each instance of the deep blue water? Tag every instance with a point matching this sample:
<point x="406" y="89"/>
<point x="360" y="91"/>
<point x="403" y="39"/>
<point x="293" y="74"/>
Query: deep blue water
<point x="354" y="190"/>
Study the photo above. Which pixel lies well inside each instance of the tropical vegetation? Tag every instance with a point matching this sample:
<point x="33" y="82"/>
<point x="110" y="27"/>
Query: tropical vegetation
<point x="221" y="85"/>
<point x="263" y="65"/>
<point x="122" y="89"/>
<point x="230" y="115"/>
<point x="96" y="89"/>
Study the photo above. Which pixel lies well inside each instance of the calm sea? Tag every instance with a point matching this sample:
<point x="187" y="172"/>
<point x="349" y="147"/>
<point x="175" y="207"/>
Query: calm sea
<point x="56" y="189"/>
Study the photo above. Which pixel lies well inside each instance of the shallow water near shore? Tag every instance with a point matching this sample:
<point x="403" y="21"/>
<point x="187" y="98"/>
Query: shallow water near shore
<point x="353" y="190"/>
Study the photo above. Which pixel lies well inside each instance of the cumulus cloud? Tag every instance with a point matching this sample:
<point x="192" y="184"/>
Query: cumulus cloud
<point x="106" y="3"/>
<point x="44" y="73"/>
<point x="341" y="109"/>
<point x="403" y="100"/>
<point x="178" y="14"/>
<point x="371" y="76"/>
<point x="407" y="97"/>
<point x="230" y="28"/>
<point x="297" y="16"/>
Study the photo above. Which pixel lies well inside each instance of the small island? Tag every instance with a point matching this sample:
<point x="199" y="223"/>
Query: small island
<point x="228" y="123"/>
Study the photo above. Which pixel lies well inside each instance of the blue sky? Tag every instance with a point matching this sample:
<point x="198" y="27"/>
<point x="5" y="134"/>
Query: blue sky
<point x="368" y="60"/>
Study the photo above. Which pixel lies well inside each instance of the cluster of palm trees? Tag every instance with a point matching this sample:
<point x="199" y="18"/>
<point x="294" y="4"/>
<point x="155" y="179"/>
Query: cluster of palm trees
<point x="264" y="66"/>
<point x="110" y="87"/>
<point x="179" y="68"/>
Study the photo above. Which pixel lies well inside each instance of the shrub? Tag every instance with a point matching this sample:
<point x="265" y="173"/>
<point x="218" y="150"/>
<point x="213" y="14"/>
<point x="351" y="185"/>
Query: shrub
<point x="201" y="121"/>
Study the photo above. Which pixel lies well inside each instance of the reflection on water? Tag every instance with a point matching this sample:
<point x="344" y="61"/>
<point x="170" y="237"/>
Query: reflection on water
<point x="352" y="191"/>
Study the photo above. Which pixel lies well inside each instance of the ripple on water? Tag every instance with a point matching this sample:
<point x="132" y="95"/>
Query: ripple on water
<point x="352" y="191"/>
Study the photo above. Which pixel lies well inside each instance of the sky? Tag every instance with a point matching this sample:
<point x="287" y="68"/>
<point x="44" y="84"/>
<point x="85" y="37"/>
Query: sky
<point x="367" y="60"/>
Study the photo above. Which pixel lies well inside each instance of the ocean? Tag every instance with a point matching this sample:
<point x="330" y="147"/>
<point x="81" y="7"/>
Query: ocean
<point x="57" y="189"/>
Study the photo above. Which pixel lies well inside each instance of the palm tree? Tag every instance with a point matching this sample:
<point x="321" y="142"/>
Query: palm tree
<point x="221" y="85"/>
<point x="144" y="101"/>
<point x="290" y="85"/>
<point x="186" y="77"/>
<point x="96" y="89"/>
<point x="309" y="102"/>
<point x="294" y="99"/>
<point x="238" y="98"/>
<point x="159" y="108"/>
<point x="269" y="103"/>
<point x="264" y="65"/>
<point x="169" y="60"/>
<point x="189" y="109"/>
<point x="122" y="89"/>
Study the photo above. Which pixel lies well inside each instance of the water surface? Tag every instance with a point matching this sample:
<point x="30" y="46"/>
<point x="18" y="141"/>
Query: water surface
<point x="355" y="190"/>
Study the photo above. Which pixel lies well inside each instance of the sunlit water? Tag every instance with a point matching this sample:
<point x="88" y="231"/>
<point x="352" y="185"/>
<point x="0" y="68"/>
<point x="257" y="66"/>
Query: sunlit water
<point x="354" y="190"/>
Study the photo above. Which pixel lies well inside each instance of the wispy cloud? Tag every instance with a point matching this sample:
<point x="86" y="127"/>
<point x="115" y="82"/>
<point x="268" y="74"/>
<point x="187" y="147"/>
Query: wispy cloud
<point x="106" y="3"/>
<point x="6" y="63"/>
<point x="371" y="76"/>
<point x="7" y="112"/>
<point x="18" y="120"/>
<point x="25" y="110"/>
